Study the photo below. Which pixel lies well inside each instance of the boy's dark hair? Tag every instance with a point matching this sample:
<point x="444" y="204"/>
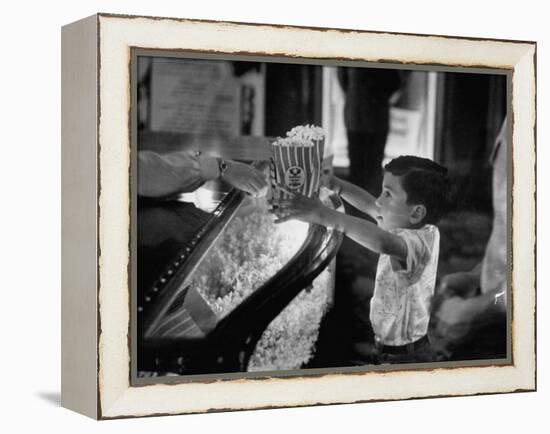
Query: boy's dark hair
<point x="425" y="183"/>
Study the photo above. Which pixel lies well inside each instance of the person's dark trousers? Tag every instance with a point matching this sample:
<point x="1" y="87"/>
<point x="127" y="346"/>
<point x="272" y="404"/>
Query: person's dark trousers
<point x="366" y="152"/>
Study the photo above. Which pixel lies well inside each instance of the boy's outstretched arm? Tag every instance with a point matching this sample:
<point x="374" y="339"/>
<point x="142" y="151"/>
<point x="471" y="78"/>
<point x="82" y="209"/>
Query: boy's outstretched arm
<point x="355" y="196"/>
<point x="367" y="234"/>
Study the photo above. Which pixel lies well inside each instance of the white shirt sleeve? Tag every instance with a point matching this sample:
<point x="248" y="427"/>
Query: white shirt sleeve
<point x="419" y="244"/>
<point x="177" y="172"/>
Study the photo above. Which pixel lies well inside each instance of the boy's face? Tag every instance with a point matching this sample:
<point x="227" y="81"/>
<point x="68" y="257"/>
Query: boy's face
<point x="392" y="209"/>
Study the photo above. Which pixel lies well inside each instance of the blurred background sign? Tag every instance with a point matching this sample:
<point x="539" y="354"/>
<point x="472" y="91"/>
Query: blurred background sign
<point x="197" y="96"/>
<point x="194" y="96"/>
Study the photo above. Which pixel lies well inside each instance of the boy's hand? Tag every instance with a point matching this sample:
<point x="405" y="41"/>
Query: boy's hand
<point x="332" y="183"/>
<point x="298" y="207"/>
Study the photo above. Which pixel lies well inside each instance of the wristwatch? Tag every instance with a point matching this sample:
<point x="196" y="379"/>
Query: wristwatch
<point x="222" y="167"/>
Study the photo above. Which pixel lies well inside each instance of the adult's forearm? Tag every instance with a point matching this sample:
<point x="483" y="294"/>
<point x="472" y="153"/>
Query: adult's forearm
<point x="162" y="175"/>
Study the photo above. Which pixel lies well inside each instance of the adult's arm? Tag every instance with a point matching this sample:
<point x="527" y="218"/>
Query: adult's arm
<point x="161" y="175"/>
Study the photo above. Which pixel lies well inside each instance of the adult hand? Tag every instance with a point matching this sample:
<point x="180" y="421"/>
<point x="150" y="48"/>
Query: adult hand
<point x="298" y="207"/>
<point x="462" y="284"/>
<point x="454" y="319"/>
<point x="246" y="178"/>
<point x="453" y="289"/>
<point x="456" y="310"/>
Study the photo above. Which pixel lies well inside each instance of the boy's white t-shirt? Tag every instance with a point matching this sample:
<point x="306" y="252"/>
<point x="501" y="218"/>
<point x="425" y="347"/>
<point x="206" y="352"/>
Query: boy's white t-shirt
<point x="400" y="306"/>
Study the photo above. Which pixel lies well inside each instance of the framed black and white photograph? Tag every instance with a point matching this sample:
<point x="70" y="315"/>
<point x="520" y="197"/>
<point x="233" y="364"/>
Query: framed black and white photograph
<point x="289" y="216"/>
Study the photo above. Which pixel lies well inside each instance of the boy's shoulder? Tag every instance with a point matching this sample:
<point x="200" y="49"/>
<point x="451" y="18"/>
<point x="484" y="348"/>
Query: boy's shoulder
<point x="424" y="231"/>
<point x="418" y="240"/>
<point x="422" y="253"/>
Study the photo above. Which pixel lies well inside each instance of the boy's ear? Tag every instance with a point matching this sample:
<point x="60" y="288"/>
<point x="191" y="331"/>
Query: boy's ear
<point x="418" y="213"/>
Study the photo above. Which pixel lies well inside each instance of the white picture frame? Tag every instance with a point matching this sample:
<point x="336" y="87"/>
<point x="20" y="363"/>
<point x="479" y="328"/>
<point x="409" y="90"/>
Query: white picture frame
<point x="96" y="358"/>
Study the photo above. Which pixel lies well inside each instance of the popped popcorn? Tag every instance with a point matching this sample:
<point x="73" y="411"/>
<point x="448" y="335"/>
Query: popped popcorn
<point x="296" y="161"/>
<point x="301" y="135"/>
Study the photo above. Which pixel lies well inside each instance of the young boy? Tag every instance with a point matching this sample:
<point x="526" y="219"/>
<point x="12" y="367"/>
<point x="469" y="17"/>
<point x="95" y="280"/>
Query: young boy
<point x="413" y="198"/>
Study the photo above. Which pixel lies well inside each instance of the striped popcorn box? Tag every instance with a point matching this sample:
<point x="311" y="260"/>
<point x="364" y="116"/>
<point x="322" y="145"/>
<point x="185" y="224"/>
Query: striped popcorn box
<point x="296" y="162"/>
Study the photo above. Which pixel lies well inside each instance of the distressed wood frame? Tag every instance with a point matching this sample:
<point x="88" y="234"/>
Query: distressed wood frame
<point x="96" y="215"/>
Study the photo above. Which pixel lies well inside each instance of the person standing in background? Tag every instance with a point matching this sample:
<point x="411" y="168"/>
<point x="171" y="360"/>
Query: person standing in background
<point x="470" y="309"/>
<point x="366" y="117"/>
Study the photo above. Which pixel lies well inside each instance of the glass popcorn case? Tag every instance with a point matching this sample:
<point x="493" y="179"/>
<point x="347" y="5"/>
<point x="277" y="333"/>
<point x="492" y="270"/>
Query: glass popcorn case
<point x="221" y="288"/>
